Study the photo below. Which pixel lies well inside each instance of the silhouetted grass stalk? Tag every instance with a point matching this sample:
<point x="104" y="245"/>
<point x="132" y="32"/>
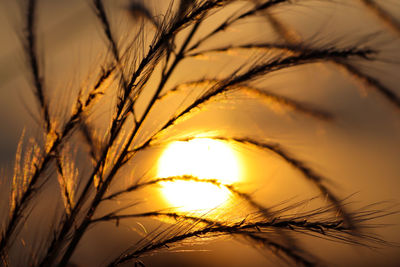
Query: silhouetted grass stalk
<point x="123" y="142"/>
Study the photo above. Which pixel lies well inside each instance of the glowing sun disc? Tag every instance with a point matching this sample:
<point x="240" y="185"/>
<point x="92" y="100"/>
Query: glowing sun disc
<point x="204" y="158"/>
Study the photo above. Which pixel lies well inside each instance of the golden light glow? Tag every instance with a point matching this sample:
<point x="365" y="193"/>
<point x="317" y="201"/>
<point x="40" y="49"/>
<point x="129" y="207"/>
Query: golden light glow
<point x="206" y="159"/>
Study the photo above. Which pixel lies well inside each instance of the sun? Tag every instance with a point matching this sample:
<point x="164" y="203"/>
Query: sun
<point x="206" y="159"/>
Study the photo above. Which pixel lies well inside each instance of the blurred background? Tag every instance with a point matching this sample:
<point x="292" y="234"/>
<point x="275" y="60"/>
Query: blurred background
<point x="359" y="151"/>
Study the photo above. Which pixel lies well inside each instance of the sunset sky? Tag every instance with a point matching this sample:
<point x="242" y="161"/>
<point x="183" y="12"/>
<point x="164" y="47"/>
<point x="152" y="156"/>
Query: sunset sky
<point x="359" y="151"/>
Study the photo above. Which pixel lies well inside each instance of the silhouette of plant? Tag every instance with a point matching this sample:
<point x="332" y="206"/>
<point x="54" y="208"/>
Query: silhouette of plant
<point x="88" y="155"/>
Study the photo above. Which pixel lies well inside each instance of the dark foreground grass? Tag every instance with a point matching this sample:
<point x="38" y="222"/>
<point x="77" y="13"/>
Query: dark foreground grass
<point x="126" y="76"/>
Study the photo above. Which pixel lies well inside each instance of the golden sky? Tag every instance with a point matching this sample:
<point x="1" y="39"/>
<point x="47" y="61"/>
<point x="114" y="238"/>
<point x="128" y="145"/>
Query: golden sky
<point x="359" y="151"/>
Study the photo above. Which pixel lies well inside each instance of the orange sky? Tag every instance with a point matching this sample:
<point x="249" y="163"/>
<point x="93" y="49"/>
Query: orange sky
<point x="359" y="151"/>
